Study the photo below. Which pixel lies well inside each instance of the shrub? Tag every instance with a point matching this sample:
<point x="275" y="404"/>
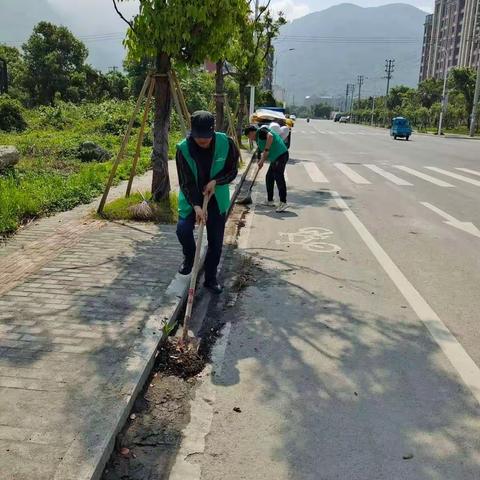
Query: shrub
<point x="11" y="115"/>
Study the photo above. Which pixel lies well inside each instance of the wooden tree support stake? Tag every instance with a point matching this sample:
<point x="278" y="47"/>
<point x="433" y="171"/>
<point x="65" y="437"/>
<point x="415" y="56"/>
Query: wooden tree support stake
<point x="183" y="103"/>
<point x="123" y="147"/>
<point x="177" y="104"/>
<point x="141" y="136"/>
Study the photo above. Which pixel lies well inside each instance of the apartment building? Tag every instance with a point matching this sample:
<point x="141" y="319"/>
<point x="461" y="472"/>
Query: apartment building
<point x="451" y="37"/>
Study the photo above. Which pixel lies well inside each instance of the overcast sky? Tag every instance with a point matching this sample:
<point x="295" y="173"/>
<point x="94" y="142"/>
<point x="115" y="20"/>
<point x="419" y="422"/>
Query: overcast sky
<point x="98" y="16"/>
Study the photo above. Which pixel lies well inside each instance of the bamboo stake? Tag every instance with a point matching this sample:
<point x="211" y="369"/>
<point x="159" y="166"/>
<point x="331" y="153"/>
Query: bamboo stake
<point x="177" y="104"/>
<point x="233" y="132"/>
<point x="141" y="136"/>
<point x="123" y="146"/>
<point x="182" y="99"/>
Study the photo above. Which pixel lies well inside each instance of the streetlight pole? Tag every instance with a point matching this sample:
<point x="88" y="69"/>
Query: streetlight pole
<point x="473" y="119"/>
<point x="252" y="87"/>
<point x="444" y="93"/>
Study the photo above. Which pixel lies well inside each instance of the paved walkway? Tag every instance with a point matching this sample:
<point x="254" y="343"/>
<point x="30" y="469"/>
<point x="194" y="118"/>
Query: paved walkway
<point x="82" y="304"/>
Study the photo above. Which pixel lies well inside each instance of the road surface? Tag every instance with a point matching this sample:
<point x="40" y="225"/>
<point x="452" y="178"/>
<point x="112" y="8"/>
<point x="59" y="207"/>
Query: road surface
<point x="355" y="354"/>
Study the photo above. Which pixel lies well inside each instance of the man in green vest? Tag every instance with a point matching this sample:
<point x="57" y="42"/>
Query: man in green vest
<point x="207" y="161"/>
<point x="273" y="149"/>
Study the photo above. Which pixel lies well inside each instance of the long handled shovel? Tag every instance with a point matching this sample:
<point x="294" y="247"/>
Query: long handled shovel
<point x="193" y="278"/>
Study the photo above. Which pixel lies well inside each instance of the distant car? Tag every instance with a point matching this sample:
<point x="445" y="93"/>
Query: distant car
<point x="400" y="128"/>
<point x="293" y="117"/>
<point x="337" y="117"/>
<point x="344" y="119"/>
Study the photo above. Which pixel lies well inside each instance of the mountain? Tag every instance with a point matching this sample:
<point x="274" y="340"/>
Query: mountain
<point x="92" y="21"/>
<point x="320" y="53"/>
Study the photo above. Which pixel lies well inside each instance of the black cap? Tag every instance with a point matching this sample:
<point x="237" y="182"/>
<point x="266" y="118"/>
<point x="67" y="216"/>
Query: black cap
<point x="203" y="124"/>
<point x="250" y="128"/>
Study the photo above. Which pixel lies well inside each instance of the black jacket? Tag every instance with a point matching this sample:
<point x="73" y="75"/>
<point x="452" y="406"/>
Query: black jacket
<point x="203" y="157"/>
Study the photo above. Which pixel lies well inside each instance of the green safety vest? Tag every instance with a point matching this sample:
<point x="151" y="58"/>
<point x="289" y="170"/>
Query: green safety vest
<point x="277" y="148"/>
<point x="222" y="192"/>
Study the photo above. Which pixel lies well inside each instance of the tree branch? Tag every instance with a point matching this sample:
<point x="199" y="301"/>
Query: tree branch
<point x="130" y="24"/>
<point x="262" y="10"/>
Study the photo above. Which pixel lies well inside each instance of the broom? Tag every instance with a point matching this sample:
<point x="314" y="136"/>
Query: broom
<point x="193" y="278"/>
<point x="247" y="200"/>
<point x="142" y="211"/>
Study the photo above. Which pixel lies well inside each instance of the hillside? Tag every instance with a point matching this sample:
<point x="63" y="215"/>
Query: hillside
<point x="363" y="39"/>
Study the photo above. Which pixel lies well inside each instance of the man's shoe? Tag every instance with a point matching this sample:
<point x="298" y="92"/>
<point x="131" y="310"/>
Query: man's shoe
<point x="213" y="287"/>
<point x="269" y="203"/>
<point x="282" y="207"/>
<point x="185" y="268"/>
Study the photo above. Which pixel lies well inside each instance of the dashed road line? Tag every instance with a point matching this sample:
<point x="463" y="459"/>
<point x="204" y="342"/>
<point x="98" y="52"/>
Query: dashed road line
<point x="389" y="176"/>
<point x="468" y="170"/>
<point x="351" y="174"/>
<point x="424" y="176"/>
<point x="455" y="175"/>
<point x="314" y="173"/>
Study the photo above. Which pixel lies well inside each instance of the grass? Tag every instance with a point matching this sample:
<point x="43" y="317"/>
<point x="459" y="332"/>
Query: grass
<point x="159" y="212"/>
<point x="50" y="177"/>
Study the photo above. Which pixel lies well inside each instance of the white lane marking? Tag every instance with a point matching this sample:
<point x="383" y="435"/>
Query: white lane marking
<point x="424" y="176"/>
<point x="468" y="170"/>
<point x="389" y="176"/>
<point x="453" y="350"/>
<point x="309" y="239"/>
<point x="455" y="175"/>
<point x="352" y="175"/>
<point x="314" y="173"/>
<point x="468" y="227"/>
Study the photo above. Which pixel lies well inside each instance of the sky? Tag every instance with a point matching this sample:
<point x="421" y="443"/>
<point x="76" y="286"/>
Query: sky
<point x="104" y="18"/>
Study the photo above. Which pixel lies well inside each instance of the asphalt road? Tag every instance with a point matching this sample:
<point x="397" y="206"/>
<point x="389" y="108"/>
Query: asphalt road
<point x="355" y="354"/>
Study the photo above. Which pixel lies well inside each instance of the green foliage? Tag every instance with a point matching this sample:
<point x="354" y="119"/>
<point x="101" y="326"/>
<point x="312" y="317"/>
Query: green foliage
<point x="11" y="115"/>
<point x="53" y="56"/>
<point x="198" y="88"/>
<point x="16" y="71"/>
<point x="165" y="211"/>
<point x="430" y="92"/>
<point x="462" y="80"/>
<point x="322" y="110"/>
<point x="184" y="30"/>
<point x="50" y="176"/>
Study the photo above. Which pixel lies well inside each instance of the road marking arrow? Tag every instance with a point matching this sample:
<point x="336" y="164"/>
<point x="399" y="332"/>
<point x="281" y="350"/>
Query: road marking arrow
<point x="468" y="227"/>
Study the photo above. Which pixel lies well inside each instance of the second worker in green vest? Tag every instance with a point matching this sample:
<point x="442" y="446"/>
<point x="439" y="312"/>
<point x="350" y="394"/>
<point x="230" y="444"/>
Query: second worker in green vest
<point x="207" y="162"/>
<point x="273" y="149"/>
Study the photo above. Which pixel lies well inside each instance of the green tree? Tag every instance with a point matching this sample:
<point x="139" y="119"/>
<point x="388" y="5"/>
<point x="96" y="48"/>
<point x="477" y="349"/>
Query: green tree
<point x="178" y="30"/>
<point x="322" y="110"/>
<point x="16" y="71"/>
<point x="52" y="57"/>
<point x="430" y="91"/>
<point x="249" y="51"/>
<point x="462" y="80"/>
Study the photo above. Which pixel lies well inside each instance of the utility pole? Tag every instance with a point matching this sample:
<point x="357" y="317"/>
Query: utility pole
<point x="360" y="81"/>
<point x="373" y="110"/>
<point x="352" y="86"/>
<point x="252" y="87"/>
<point x="389" y="69"/>
<point x="346" y="97"/>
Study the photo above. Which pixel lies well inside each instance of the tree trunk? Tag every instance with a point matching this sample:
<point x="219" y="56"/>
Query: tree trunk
<point x="241" y="109"/>
<point x="219" y="98"/>
<point x="161" y="127"/>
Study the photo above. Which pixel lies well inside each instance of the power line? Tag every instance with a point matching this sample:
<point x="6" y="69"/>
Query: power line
<point x="389" y="69"/>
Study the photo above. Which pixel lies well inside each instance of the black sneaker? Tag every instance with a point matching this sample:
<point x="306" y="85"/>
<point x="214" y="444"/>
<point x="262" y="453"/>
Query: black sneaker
<point x="213" y="287"/>
<point x="185" y="268"/>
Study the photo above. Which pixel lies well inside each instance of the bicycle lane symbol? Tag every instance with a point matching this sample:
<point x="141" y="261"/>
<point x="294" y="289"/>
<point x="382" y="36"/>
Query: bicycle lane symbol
<point x="311" y="239"/>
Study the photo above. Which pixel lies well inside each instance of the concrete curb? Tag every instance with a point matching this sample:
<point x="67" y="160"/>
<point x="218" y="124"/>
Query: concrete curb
<point x="74" y="465"/>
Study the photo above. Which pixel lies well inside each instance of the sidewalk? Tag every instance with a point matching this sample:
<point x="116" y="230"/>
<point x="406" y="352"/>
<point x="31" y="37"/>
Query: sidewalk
<point x="82" y="305"/>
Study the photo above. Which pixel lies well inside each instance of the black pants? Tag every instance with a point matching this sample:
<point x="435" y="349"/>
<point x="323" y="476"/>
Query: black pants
<point x="215" y="232"/>
<point x="276" y="174"/>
